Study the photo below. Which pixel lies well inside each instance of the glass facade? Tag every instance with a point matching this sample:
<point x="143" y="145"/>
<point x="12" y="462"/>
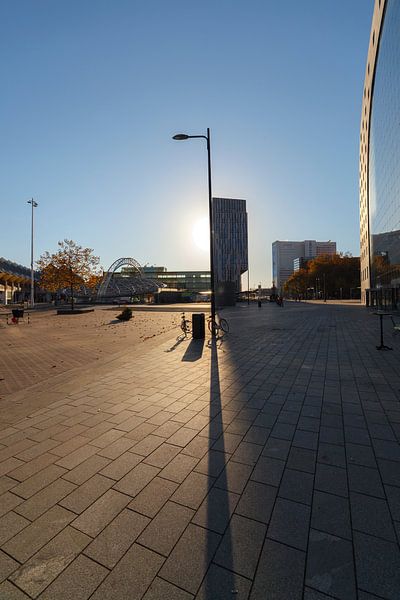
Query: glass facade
<point x="384" y="156"/>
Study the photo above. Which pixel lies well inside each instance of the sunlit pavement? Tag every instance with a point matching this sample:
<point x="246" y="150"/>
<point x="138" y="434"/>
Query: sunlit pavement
<point x="265" y="466"/>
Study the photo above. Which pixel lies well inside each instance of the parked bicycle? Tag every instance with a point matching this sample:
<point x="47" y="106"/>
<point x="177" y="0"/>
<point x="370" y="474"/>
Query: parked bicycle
<point x="186" y="325"/>
<point x="220" y="325"/>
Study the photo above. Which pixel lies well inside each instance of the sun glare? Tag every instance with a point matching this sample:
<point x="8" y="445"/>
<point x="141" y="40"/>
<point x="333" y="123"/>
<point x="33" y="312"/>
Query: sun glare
<point x="201" y="234"/>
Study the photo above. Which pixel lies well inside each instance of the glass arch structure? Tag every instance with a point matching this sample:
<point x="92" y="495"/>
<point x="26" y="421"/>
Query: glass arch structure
<point x="134" y="284"/>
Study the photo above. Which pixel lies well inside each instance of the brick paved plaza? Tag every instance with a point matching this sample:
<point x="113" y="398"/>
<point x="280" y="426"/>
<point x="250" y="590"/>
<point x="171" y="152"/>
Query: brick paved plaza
<point x="264" y="467"/>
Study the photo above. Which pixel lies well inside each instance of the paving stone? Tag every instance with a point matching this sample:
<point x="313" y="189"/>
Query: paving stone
<point x="198" y="447"/>
<point x="11" y="524"/>
<point x="331" y="514"/>
<point x="257" y="501"/>
<point x="182" y="437"/>
<point x="241" y="546"/>
<point x="6" y="484"/>
<point x="234" y="477"/>
<point x="166" y="528"/>
<point x="72" y="460"/>
<point x="290" y="523"/>
<point x="131" y="577"/>
<point x="371" y="515"/>
<point x="247" y="453"/>
<point x="268" y="470"/>
<point x="212" y="463"/>
<point x="193" y="490"/>
<point x="227" y="442"/>
<point x="378" y="566"/>
<point x="276" y="448"/>
<point x="365" y="480"/>
<point x="390" y="472"/>
<point x="112" y="543"/>
<point x="162" y="455"/>
<point x="36" y="450"/>
<point x="10" y="465"/>
<point x="8" y="591"/>
<point x="393" y="497"/>
<point x="357" y="435"/>
<point x="36" y="574"/>
<point x="86" y="469"/>
<point x="101" y="512"/>
<point x="45" y="499"/>
<point x="7" y="566"/>
<point x="147" y="445"/>
<point x="283" y="431"/>
<point x="331" y="479"/>
<point x="153" y="496"/>
<point x="305" y="439"/>
<point x="302" y="459"/>
<point x="331" y="454"/>
<point x="189" y="560"/>
<point x="360" y="455"/>
<point x="310" y="594"/>
<point x="179" y="468"/>
<point x="216" y="510"/>
<point x="297" y="486"/>
<point x="220" y="583"/>
<point x="136" y="479"/>
<point x="29" y="469"/>
<point x="8" y="501"/>
<point x="37" y="482"/>
<point x="386" y="450"/>
<point x="271" y="579"/>
<point x="37" y="534"/>
<point x="160" y="590"/>
<point x="67" y="447"/>
<point x="309" y="423"/>
<point x="167" y="429"/>
<point x="87" y="493"/>
<point x="77" y="582"/>
<point x="119" y="467"/>
<point x="257" y="435"/>
<point x="330" y="566"/>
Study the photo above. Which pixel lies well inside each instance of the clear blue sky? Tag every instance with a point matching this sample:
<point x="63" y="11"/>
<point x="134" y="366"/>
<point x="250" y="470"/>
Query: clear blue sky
<point x="93" y="90"/>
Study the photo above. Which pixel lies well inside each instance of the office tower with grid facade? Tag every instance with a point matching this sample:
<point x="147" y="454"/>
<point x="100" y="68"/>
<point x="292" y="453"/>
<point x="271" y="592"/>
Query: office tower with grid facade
<point x="230" y="242"/>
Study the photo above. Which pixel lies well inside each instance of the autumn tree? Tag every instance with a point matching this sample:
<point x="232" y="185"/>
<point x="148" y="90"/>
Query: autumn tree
<point x="72" y="267"/>
<point x="297" y="284"/>
<point x="327" y="273"/>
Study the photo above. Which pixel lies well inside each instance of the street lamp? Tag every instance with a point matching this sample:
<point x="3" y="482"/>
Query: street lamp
<point x="181" y="137"/>
<point x="34" y="205"/>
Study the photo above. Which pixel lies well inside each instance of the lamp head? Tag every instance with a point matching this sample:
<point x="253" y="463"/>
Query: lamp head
<point x="180" y="136"/>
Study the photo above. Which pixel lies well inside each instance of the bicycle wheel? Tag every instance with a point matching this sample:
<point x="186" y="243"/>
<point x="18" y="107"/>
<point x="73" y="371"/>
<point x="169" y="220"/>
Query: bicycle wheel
<point x="223" y="323"/>
<point x="188" y="328"/>
<point x="210" y="326"/>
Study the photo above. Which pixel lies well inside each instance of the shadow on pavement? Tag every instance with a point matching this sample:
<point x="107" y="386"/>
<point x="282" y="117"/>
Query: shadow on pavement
<point x="179" y="340"/>
<point x="194" y="351"/>
<point x="218" y="582"/>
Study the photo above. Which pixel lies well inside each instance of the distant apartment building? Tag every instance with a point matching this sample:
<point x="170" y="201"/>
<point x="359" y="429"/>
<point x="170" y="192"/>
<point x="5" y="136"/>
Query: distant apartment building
<point x="230" y="247"/>
<point x="288" y="255"/>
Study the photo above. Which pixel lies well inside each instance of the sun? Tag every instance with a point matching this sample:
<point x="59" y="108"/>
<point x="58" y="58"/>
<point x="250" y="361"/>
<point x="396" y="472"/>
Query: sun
<point x="201" y="234"/>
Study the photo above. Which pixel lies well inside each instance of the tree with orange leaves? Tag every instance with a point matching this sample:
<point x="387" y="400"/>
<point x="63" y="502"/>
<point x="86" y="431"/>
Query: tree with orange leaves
<point x="72" y="267"/>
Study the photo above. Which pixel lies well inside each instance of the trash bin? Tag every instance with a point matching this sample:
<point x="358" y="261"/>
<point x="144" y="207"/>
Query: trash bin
<point x="259" y="304"/>
<point x="198" y="326"/>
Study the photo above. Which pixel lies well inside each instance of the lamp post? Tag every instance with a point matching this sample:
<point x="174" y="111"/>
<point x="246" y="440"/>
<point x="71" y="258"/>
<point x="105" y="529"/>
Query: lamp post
<point x="34" y="205"/>
<point x="184" y="136"/>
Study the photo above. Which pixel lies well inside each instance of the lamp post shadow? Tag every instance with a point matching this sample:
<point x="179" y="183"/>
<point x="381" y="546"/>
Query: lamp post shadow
<point x="220" y="581"/>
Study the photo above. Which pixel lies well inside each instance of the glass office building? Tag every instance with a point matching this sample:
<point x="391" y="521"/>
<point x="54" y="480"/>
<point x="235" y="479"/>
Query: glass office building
<point x="230" y="247"/>
<point x="380" y="161"/>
